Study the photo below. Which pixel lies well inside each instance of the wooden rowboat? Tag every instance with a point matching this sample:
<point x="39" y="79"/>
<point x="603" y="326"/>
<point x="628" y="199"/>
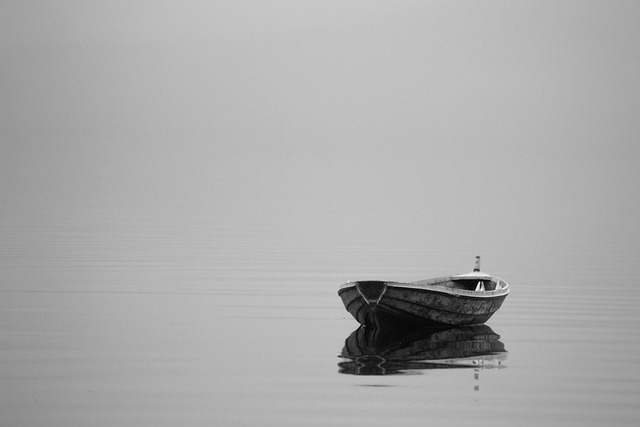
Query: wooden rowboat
<point x="443" y="302"/>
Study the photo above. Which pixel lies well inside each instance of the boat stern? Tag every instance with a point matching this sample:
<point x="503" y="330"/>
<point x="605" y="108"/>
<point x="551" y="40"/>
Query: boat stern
<point x="361" y="298"/>
<point x="371" y="290"/>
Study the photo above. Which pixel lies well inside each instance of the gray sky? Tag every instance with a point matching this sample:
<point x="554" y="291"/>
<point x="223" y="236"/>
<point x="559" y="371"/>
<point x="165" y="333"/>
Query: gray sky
<point x="513" y="120"/>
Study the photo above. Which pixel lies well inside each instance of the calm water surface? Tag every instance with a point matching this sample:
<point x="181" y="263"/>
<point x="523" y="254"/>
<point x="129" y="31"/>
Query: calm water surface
<point x="134" y="317"/>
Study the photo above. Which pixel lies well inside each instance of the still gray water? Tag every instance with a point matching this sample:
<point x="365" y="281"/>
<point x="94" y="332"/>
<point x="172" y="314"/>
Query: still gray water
<point x="185" y="184"/>
<point x="113" y="318"/>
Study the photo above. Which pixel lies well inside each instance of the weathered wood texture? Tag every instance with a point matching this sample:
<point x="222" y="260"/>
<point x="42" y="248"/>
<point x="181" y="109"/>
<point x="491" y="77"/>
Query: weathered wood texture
<point x="425" y="307"/>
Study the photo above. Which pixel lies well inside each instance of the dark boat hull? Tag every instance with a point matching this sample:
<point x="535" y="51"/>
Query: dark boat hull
<point x="390" y="303"/>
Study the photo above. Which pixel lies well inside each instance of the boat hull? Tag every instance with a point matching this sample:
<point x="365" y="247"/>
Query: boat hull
<point x="432" y="305"/>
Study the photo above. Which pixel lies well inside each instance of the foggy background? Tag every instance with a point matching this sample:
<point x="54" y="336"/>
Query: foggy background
<point x="507" y="129"/>
<point x="184" y="185"/>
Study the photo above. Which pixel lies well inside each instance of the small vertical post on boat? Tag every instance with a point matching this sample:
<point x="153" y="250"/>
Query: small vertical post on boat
<point x="477" y="267"/>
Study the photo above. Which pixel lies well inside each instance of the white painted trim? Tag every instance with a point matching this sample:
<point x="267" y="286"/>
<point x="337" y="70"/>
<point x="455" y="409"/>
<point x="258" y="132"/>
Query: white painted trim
<point x="453" y="291"/>
<point x="443" y="289"/>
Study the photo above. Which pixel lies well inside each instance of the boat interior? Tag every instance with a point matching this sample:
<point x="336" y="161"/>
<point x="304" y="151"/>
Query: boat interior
<point x="480" y="284"/>
<point x="477" y="284"/>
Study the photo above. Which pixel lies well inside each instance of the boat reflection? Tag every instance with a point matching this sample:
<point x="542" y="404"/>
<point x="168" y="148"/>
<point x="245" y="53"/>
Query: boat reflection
<point x="394" y="351"/>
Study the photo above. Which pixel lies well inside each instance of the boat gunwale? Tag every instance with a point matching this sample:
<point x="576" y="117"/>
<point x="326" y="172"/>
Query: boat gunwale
<point x="434" y="286"/>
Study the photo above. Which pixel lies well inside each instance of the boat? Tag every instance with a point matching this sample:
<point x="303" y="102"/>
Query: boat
<point x="370" y="351"/>
<point x="443" y="302"/>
